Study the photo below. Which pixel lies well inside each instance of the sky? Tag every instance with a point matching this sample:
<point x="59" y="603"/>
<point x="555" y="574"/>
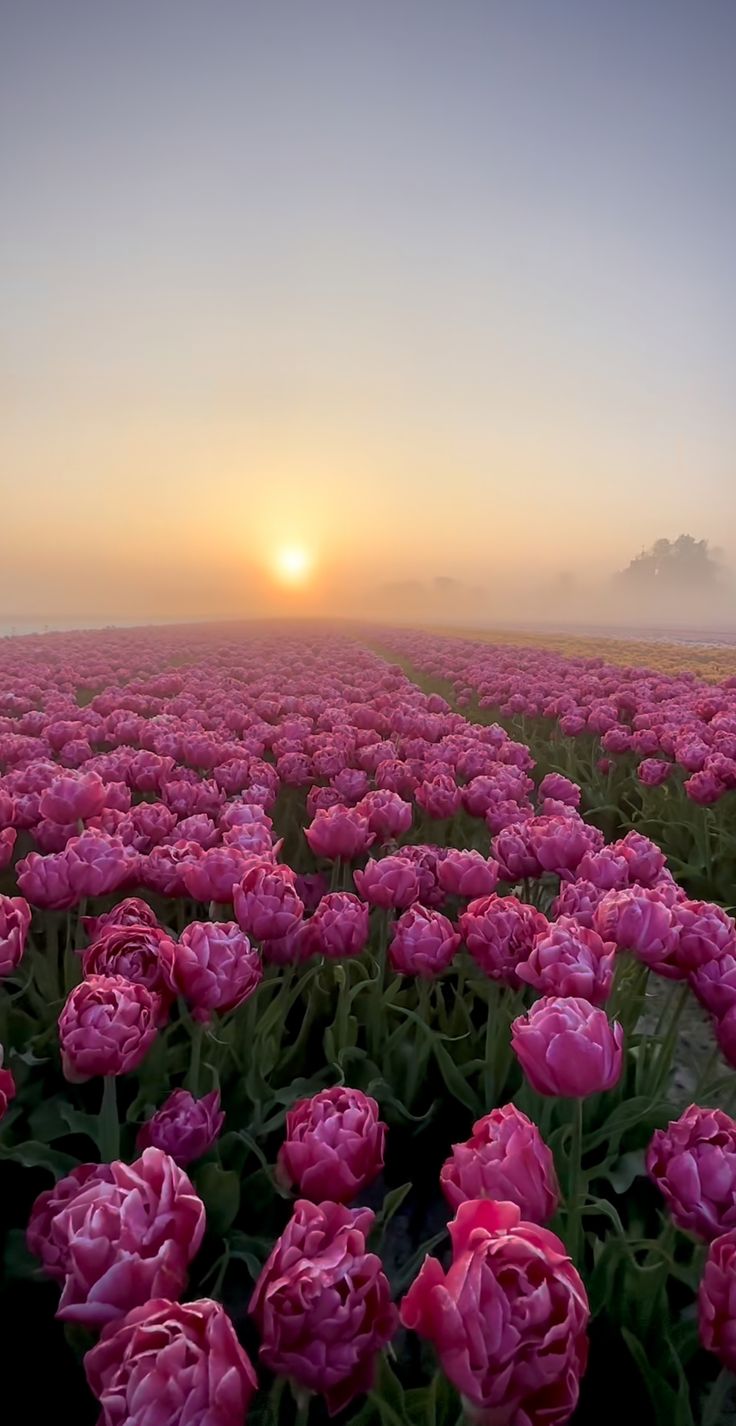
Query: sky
<point x="439" y="296"/>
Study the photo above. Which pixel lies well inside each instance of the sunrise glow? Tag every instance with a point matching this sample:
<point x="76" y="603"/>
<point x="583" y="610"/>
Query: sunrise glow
<point x="293" y="564"/>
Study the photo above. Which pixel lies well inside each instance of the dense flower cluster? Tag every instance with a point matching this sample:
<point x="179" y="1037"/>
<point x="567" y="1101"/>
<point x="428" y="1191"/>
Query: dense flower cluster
<point x="272" y="910"/>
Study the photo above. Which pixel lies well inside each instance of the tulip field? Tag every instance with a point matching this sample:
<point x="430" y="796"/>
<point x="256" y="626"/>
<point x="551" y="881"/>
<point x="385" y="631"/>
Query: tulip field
<point x="367" y="1031"/>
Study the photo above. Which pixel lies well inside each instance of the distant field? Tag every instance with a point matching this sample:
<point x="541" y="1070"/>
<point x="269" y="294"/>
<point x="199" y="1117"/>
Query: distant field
<point x="714" y="660"/>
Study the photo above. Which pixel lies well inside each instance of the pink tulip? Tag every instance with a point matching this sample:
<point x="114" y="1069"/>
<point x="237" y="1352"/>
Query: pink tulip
<point x="107" y="1027"/>
<point x="8" y="837"/>
<point x="213" y="966"/>
<point x="693" y="1163"/>
<point x="652" y="772"/>
<point x="266" y="902"/>
<point x="422" y="943"/>
<point x="322" y="1303"/>
<point x="703" y="932"/>
<point x="639" y="920"/>
<point x="508" y="1318"/>
<point x="163" y="869"/>
<point x="467" y="874"/>
<point x="73" y="799"/>
<point x="15" y="922"/>
<point x="135" y="953"/>
<point x="499" y="932"/>
<point x="391" y="882"/>
<point x="213" y="877"/>
<point x="184" y="1127"/>
<point x="569" y="959"/>
<point x="389" y="816"/>
<point x="560" y="788"/>
<point x="579" y="899"/>
<point x="40" y="1239"/>
<point x="567" y="1047"/>
<point x="131" y="911"/>
<point x="334" y="1145"/>
<point x="171" y="1364"/>
<point x="716" y="1305"/>
<point x="7" y="1087"/>
<point x="45" y="881"/>
<point x="339" y="927"/>
<point x="339" y="832"/>
<point x="123" y="1238"/>
<point x="507" y="1159"/>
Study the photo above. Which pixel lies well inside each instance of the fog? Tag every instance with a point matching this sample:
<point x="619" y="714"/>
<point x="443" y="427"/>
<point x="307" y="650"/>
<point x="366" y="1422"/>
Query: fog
<point x="439" y="295"/>
<point x="664" y="601"/>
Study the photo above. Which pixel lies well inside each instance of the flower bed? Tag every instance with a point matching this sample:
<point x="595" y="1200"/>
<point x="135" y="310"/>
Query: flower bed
<point x="343" y="1059"/>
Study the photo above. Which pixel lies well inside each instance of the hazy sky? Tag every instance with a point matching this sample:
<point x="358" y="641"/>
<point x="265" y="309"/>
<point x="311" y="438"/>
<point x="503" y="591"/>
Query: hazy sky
<point x="423" y="288"/>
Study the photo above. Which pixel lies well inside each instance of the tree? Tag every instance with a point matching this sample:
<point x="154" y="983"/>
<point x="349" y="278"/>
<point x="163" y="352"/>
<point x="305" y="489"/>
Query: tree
<point x="672" y="564"/>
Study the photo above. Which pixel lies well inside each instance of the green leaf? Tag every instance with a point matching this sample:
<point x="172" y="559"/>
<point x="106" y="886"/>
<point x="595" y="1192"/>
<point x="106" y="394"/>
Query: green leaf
<point x="79" y="1123"/>
<point x="670" y="1407"/>
<point x="631" y="1112"/>
<point x="455" y="1082"/>
<point x="220" y="1191"/>
<point x="391" y="1203"/>
<point x="19" y="1263"/>
<point x="35" y="1155"/>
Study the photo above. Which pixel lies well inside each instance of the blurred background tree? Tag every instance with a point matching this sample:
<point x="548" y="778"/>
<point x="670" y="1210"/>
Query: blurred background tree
<point x="673" y="564"/>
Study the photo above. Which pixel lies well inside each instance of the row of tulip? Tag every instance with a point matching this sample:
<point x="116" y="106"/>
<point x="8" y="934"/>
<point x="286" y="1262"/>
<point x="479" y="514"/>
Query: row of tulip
<point x="651" y="748"/>
<point x="339" y="900"/>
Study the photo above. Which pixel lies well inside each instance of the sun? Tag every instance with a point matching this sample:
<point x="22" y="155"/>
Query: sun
<point x="292" y="564"/>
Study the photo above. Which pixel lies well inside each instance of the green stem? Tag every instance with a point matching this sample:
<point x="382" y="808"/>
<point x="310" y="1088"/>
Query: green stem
<point x="706" y="1072"/>
<point x="574" y="1192"/>
<point x="109" y="1128"/>
<point x="303" y="1401"/>
<point x="193" y="1076"/>
<point x="713" y="1413"/>
<point x="664" y="1058"/>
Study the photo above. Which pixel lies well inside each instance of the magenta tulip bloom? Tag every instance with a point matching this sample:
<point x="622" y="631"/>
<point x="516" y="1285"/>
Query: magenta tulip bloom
<point x="184" y="1127"/>
<point x="266" y="902"/>
<point x="8" y="838"/>
<point x="339" y="832"/>
<point x="422" y="943"/>
<point x="171" y="1364"/>
<point x="135" y="953"/>
<point x="560" y="788"/>
<point x="703" y="931"/>
<point x="467" y="874"/>
<point x="693" y="1163"/>
<point x="389" y="816"/>
<point x="717" y="1300"/>
<point x="391" y="882"/>
<point x="40" y="1239"/>
<point x="7" y="1086"/>
<point x="131" y="911"/>
<point x="505" y="1159"/>
<point x="107" y="1027"/>
<point x="213" y="966"/>
<point x="639" y="920"/>
<point x="499" y="932"/>
<point x="652" y="772"/>
<point x="508" y="1318"/>
<point x="334" y="1145"/>
<point x="45" y="881"/>
<point x="339" y="927"/>
<point x="73" y="798"/>
<point x="214" y="876"/>
<point x="122" y="1238"/>
<point x="569" y="959"/>
<point x="568" y="1047"/>
<point x="15" y="921"/>
<point x="323" y="1304"/>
